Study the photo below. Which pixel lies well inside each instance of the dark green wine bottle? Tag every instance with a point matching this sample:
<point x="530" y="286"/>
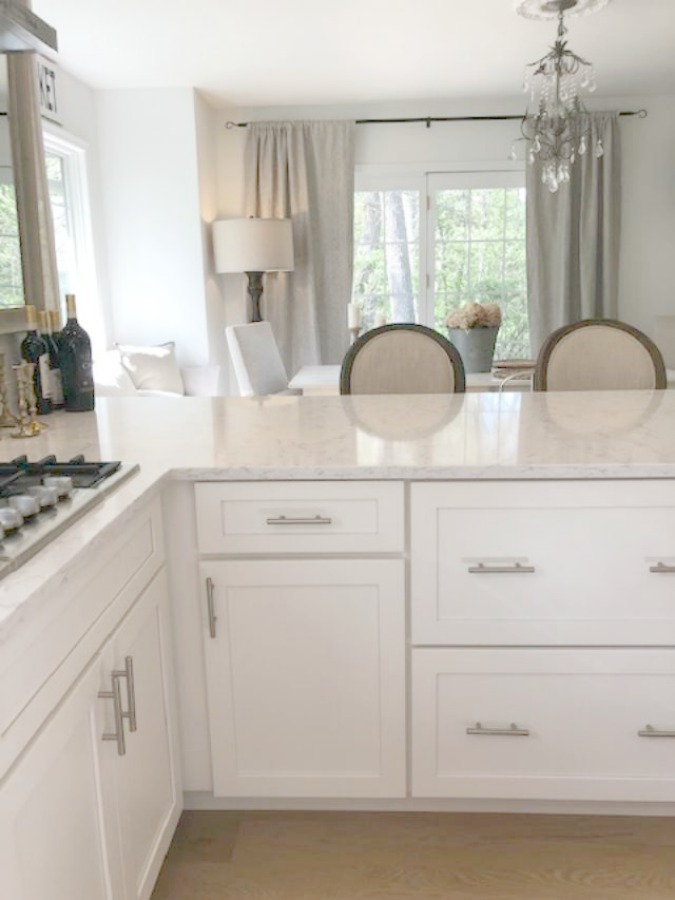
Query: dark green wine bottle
<point x="77" y="372"/>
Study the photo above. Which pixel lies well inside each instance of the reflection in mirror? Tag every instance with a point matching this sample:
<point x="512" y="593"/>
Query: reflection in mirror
<point x="11" y="282"/>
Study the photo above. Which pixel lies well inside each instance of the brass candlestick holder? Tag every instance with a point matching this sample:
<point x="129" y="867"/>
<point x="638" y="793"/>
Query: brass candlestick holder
<point x="7" y="417"/>
<point x="27" y="421"/>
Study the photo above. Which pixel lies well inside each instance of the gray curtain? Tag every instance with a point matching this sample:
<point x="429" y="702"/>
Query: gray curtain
<point x="573" y="237"/>
<point x="305" y="171"/>
<point x="36" y="227"/>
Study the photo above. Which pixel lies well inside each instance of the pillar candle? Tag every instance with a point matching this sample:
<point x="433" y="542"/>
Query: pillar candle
<point x="353" y="315"/>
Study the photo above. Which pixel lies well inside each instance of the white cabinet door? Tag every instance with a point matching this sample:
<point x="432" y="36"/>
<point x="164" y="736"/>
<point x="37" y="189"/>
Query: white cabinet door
<point x="147" y="781"/>
<point x="305" y="666"/>
<point x="564" y="724"/>
<point x="57" y="835"/>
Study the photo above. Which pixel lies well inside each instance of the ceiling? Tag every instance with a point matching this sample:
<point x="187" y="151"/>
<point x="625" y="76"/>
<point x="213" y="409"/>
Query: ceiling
<point x="299" y="52"/>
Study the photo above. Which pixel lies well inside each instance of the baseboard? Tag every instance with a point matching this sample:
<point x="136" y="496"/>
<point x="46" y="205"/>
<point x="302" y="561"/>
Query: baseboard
<point x="204" y="800"/>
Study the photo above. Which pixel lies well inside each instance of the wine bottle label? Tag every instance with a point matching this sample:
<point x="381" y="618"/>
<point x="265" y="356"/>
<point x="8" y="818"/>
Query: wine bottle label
<point x="56" y="387"/>
<point x="45" y="375"/>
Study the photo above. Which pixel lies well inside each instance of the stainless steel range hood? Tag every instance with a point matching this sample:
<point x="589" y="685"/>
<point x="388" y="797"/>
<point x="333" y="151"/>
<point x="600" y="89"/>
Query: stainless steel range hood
<point x="21" y="31"/>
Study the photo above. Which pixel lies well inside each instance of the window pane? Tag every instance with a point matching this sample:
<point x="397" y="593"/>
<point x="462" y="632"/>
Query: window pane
<point x="64" y="238"/>
<point x="480" y="257"/>
<point x="11" y="280"/>
<point x="386" y="255"/>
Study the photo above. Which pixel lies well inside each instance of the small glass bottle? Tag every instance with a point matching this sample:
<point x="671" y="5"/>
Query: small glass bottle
<point x="34" y="350"/>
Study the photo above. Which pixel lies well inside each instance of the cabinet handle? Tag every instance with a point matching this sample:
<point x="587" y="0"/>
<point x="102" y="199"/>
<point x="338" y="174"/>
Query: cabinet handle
<point x="118" y="734"/>
<point x="210" y="607"/>
<point x="515" y="569"/>
<point x="661" y="567"/>
<point x="650" y="732"/>
<point x="299" y="520"/>
<point x="512" y="731"/>
<point x="128" y="673"/>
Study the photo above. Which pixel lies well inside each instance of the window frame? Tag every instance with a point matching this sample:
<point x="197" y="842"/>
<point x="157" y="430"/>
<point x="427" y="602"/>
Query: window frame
<point x="73" y="152"/>
<point x="427" y="178"/>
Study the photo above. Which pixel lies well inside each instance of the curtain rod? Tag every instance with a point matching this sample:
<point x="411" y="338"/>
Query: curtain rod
<point x="427" y="120"/>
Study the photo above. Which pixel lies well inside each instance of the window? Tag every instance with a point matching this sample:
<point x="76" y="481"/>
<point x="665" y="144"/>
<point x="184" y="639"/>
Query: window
<point x="11" y="279"/>
<point x="469" y="246"/>
<point x="65" y="160"/>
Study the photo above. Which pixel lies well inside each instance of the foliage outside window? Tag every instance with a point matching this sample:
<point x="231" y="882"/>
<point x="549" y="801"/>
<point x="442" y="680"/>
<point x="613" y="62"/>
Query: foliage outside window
<point x="11" y="280"/>
<point x="386" y="255"/>
<point x="476" y="253"/>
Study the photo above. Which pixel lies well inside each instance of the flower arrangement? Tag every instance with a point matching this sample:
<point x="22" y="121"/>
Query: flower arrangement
<point x="475" y="315"/>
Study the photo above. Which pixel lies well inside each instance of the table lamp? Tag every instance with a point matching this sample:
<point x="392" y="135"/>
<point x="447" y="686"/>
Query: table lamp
<point x="253" y="246"/>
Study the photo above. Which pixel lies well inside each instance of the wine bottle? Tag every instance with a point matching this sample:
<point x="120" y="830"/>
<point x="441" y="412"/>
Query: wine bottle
<point x="76" y="364"/>
<point x="55" y="381"/>
<point x="34" y="350"/>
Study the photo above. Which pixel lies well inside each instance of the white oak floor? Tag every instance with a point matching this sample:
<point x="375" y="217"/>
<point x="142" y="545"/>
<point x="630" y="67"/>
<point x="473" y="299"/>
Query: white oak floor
<point x="396" y="856"/>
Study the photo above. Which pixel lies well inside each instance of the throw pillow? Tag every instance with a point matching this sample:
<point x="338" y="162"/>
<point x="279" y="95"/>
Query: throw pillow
<point x="152" y="368"/>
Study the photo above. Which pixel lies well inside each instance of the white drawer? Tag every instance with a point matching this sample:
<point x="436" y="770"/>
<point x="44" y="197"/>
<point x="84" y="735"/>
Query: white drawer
<point x="543" y="563"/>
<point x="583" y="711"/>
<point x="300" y="517"/>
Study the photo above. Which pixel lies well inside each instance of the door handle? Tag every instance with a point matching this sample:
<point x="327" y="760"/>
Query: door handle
<point x="128" y="673"/>
<point x="211" y="607"/>
<point x="118" y="734"/>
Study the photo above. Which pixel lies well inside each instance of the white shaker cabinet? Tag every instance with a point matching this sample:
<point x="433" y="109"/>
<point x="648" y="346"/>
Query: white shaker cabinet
<point x="57" y="830"/>
<point x="303" y="625"/>
<point x="305" y="667"/>
<point x="89" y="806"/>
<point x="543" y="627"/>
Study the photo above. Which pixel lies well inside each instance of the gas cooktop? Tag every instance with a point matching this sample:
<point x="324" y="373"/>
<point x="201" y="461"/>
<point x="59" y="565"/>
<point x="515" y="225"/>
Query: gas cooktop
<point x="38" y="500"/>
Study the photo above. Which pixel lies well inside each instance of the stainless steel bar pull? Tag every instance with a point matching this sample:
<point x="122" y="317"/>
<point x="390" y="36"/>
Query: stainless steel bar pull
<point x="118" y="735"/>
<point x="512" y="731"/>
<point x="515" y="569"/>
<point x="650" y="732"/>
<point x="660" y="568"/>
<point x="210" y="607"/>
<point x="128" y="673"/>
<point x="299" y="520"/>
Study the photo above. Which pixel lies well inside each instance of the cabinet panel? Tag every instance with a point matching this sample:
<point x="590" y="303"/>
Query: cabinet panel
<point x="57" y="837"/>
<point x="147" y="779"/>
<point x="45" y="660"/>
<point x="306" y="678"/>
<point x="300" y="517"/>
<point x="543" y="563"/>
<point x="578" y="717"/>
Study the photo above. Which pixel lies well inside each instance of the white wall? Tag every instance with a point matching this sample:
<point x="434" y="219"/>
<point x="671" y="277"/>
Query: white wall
<point x="648" y="206"/>
<point x="150" y="173"/>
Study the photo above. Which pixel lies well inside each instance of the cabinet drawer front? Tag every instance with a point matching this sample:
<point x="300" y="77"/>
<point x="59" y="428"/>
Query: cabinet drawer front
<point x="555" y="724"/>
<point x="300" y="517"/>
<point x="75" y="625"/>
<point x="543" y="563"/>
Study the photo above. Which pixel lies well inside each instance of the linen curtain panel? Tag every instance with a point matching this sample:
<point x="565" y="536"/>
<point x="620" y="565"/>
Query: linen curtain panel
<point x="36" y="227"/>
<point x="305" y="171"/>
<point x="573" y="236"/>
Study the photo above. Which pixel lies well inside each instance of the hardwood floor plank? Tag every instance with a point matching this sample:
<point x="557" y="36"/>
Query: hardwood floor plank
<point x="397" y="856"/>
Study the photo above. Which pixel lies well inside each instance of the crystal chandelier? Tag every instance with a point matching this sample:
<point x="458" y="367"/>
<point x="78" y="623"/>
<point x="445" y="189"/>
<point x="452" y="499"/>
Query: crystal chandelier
<point x="558" y="131"/>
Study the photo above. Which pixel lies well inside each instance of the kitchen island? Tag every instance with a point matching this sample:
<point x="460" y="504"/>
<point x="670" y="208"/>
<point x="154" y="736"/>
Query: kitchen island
<point x="369" y="602"/>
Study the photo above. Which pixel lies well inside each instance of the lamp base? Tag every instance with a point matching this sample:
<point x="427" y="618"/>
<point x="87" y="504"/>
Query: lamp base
<point x="255" y="289"/>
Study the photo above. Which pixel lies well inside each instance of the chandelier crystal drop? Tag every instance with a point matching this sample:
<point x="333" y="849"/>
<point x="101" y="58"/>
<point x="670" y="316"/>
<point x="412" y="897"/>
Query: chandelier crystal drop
<point x="559" y="130"/>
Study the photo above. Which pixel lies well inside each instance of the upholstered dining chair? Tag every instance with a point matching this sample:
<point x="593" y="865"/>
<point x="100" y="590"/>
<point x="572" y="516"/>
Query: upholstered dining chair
<point x="599" y="355"/>
<point x="402" y="359"/>
<point x="257" y="362"/>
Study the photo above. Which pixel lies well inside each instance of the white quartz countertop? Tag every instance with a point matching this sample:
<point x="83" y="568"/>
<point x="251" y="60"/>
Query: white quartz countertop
<point x="627" y="434"/>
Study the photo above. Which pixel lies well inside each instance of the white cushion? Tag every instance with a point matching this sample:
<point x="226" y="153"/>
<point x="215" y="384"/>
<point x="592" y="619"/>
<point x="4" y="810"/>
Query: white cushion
<point x="111" y="379"/>
<point x="152" y="368"/>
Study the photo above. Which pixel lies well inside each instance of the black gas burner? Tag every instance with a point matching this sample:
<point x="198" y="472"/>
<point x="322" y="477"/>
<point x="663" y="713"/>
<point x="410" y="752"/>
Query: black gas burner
<point x="20" y="474"/>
